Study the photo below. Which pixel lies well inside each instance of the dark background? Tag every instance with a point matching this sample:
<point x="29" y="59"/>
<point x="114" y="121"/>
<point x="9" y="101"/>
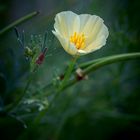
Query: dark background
<point x="105" y="107"/>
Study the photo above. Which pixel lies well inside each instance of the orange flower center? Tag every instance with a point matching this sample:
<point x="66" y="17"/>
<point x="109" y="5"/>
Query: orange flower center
<point x="78" y="40"/>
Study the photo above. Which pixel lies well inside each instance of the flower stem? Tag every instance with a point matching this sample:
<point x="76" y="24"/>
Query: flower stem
<point x="93" y="65"/>
<point x="17" y="22"/>
<point x="109" y="60"/>
<point x="17" y="102"/>
<point x="64" y="82"/>
<point x="67" y="74"/>
<point x="88" y="67"/>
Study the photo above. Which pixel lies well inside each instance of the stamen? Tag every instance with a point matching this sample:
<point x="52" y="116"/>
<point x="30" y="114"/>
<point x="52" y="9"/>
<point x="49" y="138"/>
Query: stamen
<point x="78" y="40"/>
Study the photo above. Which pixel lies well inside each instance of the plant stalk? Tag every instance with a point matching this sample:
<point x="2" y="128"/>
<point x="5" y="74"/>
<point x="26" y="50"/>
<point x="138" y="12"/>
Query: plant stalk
<point x="17" y="22"/>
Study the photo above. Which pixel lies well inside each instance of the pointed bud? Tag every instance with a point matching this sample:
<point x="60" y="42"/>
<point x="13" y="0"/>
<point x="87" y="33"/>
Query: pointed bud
<point x="41" y="57"/>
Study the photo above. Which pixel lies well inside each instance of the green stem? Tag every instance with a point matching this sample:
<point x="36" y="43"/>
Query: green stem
<point x="17" y="22"/>
<point x="89" y="67"/>
<point x="17" y="102"/>
<point x="110" y="60"/>
<point x="92" y="66"/>
<point x="68" y="74"/>
<point x="64" y="82"/>
<point x="86" y="64"/>
<point x="98" y="63"/>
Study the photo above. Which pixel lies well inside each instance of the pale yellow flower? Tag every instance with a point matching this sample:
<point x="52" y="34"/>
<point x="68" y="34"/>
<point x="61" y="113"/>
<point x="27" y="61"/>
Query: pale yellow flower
<point x="80" y="34"/>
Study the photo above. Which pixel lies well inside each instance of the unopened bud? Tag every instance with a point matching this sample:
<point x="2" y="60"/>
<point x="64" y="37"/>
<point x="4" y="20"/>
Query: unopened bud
<point x="28" y="52"/>
<point x="40" y="59"/>
<point x="80" y="75"/>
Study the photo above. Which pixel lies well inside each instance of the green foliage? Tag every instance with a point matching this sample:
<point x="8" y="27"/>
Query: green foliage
<point x="106" y="106"/>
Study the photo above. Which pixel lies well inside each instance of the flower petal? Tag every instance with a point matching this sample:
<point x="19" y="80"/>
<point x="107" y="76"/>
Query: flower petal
<point x="62" y="40"/>
<point x="66" y="23"/>
<point x="72" y="49"/>
<point x="100" y="41"/>
<point x="95" y="45"/>
<point x="68" y="47"/>
<point x="87" y="22"/>
<point x="103" y="31"/>
<point x="91" y="25"/>
<point x="81" y="52"/>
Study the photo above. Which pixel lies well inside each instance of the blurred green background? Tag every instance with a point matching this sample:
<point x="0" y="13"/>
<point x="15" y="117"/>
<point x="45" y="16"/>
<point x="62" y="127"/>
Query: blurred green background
<point x="105" y="107"/>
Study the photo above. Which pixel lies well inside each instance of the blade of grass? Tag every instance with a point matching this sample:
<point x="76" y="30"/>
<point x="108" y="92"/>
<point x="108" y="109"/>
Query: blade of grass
<point x="17" y="22"/>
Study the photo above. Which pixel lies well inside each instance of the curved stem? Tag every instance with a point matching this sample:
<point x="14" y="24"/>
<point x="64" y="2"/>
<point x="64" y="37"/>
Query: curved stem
<point x="110" y="60"/>
<point x="86" y="64"/>
<point x="92" y="65"/>
<point x="17" y="22"/>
